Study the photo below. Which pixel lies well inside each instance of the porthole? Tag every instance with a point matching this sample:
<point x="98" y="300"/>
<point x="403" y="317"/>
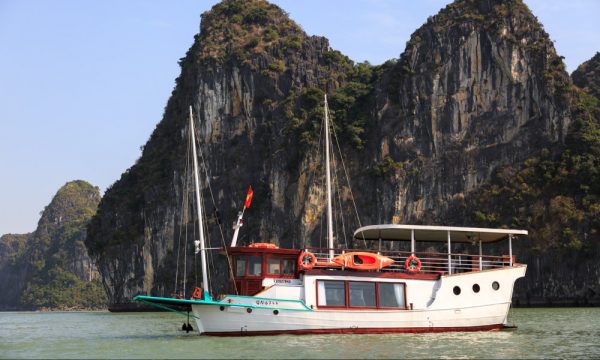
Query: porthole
<point x="495" y="285"/>
<point x="222" y="308"/>
<point x="275" y="312"/>
<point x="456" y="290"/>
<point x="476" y="288"/>
<point x="248" y="310"/>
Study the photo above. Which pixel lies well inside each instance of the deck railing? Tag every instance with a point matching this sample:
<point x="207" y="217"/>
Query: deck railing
<point x="432" y="263"/>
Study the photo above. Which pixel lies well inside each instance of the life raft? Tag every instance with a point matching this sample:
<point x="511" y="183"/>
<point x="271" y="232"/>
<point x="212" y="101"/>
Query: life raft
<point x="264" y="246"/>
<point x="412" y="264"/>
<point x="306" y="260"/>
<point x="362" y="261"/>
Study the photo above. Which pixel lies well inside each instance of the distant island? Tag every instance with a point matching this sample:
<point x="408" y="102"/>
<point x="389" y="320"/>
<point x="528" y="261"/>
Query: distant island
<point x="49" y="269"/>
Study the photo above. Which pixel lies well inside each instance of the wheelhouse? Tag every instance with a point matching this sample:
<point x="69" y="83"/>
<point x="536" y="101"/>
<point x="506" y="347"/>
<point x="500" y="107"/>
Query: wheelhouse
<point x="252" y="265"/>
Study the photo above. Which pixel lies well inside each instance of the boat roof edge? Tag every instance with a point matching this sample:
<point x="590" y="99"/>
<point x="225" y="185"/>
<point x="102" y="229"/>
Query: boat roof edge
<point x="396" y="232"/>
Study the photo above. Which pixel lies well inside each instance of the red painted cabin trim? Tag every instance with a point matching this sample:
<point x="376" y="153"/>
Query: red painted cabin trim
<point x="252" y="284"/>
<point x="245" y="249"/>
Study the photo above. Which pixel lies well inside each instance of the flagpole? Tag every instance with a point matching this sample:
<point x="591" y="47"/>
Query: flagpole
<point x="239" y="222"/>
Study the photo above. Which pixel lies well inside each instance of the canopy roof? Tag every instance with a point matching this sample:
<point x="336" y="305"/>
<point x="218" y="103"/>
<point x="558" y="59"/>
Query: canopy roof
<point x="434" y="233"/>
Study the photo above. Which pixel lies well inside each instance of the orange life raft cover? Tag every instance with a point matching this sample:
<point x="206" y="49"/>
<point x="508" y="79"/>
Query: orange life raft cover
<point x="264" y="246"/>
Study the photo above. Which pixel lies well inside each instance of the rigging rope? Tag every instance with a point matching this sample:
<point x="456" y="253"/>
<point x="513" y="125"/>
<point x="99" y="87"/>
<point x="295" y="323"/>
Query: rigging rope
<point x="348" y="181"/>
<point x="229" y="265"/>
<point x="185" y="248"/>
<point x="320" y="148"/>
<point x="335" y="181"/>
<point x="209" y="259"/>
<point x="181" y="222"/>
<point x="310" y="178"/>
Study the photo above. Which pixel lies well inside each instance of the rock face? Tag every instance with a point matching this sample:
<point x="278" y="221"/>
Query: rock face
<point x="50" y="267"/>
<point x="478" y="86"/>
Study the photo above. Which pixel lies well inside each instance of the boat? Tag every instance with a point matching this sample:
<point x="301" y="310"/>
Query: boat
<point x="370" y="290"/>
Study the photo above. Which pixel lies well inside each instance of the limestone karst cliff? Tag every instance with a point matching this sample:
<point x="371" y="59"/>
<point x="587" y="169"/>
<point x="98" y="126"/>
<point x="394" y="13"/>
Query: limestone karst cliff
<point x="50" y="268"/>
<point x="587" y="76"/>
<point x="478" y="87"/>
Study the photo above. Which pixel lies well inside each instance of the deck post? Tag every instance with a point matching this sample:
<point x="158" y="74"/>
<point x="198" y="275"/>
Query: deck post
<point x="510" y="259"/>
<point x="412" y="242"/>
<point x="449" y="255"/>
<point x="480" y="259"/>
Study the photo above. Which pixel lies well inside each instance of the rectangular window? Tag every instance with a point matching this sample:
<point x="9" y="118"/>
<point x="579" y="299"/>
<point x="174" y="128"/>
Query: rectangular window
<point x="331" y="293"/>
<point x="362" y="294"/>
<point x="288" y="266"/>
<point x="240" y="266"/>
<point x="273" y="266"/>
<point x="254" y="265"/>
<point x="391" y="295"/>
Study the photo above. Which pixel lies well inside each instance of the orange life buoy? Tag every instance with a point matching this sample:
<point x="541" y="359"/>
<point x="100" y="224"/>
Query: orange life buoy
<point x="264" y="246"/>
<point x="197" y="293"/>
<point x="412" y="264"/>
<point x="307" y="260"/>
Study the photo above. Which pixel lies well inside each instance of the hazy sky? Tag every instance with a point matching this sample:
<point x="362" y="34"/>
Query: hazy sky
<point x="84" y="83"/>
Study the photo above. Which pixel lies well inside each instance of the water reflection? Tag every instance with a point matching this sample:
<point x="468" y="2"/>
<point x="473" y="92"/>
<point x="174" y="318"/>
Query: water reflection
<point x="541" y="333"/>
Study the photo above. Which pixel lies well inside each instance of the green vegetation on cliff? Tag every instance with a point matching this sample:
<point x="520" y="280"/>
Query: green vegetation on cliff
<point x="587" y="76"/>
<point x="60" y="289"/>
<point x="248" y="27"/>
<point x="555" y="194"/>
<point x="51" y="268"/>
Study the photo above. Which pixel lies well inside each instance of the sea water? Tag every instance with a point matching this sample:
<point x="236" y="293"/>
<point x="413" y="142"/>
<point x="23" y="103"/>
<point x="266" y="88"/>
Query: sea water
<point x="541" y="333"/>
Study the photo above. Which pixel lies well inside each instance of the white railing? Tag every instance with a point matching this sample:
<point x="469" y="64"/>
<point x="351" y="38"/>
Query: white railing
<point x="432" y="263"/>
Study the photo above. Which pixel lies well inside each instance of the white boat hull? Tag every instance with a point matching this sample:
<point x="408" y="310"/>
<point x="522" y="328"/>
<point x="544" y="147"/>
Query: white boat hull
<point x="435" y="307"/>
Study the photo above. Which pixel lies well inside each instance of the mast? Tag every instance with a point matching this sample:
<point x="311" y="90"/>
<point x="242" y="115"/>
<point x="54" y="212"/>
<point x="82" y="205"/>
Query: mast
<point x="328" y="175"/>
<point x="205" y="284"/>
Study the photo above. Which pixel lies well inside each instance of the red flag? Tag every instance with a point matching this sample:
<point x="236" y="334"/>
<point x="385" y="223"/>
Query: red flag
<point x="248" y="197"/>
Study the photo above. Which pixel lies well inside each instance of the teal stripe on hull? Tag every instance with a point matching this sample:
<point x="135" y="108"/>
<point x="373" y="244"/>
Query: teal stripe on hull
<point x="156" y="301"/>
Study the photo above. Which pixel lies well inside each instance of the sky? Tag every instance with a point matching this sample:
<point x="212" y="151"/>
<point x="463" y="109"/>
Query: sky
<point x="84" y="83"/>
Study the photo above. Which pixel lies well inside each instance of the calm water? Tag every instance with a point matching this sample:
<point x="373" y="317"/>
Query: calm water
<point x="542" y="333"/>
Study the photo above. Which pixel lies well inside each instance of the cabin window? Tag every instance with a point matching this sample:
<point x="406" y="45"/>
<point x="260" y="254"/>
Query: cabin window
<point x="331" y="293"/>
<point x="279" y="266"/>
<point x="273" y="266"/>
<point x="391" y="295"/>
<point x="240" y="266"/>
<point x="288" y="266"/>
<point x="254" y="265"/>
<point x="362" y="294"/>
